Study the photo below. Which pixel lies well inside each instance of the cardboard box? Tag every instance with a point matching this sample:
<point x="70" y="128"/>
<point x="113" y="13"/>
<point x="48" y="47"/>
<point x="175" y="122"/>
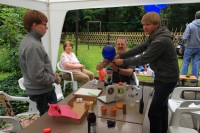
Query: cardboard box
<point x="80" y="108"/>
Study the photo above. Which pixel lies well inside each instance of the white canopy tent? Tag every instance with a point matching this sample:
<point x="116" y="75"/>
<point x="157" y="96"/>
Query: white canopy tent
<point x="56" y="10"/>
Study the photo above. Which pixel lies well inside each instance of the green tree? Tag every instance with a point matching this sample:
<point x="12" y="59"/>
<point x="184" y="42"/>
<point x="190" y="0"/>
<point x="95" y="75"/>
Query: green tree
<point x="11" y="32"/>
<point x="119" y="19"/>
<point x="179" y="15"/>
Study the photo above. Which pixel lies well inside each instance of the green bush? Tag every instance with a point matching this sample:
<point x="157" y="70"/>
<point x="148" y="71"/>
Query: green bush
<point x="71" y="38"/>
<point x="11" y="33"/>
<point x="4" y="61"/>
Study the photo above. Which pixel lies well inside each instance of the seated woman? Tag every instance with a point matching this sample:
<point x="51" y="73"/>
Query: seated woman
<point x="69" y="61"/>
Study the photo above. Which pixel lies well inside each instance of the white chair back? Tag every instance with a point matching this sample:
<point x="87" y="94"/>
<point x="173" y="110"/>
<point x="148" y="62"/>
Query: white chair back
<point x="21" y="85"/>
<point x="74" y="83"/>
<point x="58" y="89"/>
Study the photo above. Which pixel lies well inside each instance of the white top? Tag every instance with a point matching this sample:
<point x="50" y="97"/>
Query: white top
<point x="71" y="58"/>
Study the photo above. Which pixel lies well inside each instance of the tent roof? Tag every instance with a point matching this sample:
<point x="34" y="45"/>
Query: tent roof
<point x="66" y="5"/>
<point x="56" y="10"/>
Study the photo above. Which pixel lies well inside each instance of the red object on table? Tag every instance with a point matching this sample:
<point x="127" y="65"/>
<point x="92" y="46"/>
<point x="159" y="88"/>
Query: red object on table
<point x="47" y="130"/>
<point x="102" y="74"/>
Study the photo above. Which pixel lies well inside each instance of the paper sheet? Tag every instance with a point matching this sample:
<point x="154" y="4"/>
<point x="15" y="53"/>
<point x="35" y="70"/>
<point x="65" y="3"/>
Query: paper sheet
<point x="88" y="92"/>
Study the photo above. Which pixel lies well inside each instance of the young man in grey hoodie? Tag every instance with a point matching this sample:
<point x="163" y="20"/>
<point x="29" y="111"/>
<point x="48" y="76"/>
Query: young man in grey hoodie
<point x="191" y="39"/>
<point x="35" y="64"/>
<point x="159" y="52"/>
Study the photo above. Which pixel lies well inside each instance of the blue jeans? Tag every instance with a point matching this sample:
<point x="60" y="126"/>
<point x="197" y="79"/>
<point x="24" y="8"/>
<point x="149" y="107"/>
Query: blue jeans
<point x="42" y="101"/>
<point x="194" y="55"/>
<point x="158" y="111"/>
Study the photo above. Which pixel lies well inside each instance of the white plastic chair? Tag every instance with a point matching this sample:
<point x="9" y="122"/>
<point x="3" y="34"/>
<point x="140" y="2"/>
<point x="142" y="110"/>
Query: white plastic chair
<point x="177" y="101"/>
<point x="21" y="83"/>
<point x="175" y="127"/>
<point x="72" y="81"/>
<point x="32" y="110"/>
<point x="15" y="123"/>
<point x="58" y="89"/>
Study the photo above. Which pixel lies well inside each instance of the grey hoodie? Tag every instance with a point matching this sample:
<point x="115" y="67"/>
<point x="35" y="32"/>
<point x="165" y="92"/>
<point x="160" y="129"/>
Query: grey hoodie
<point x="159" y="53"/>
<point x="191" y="35"/>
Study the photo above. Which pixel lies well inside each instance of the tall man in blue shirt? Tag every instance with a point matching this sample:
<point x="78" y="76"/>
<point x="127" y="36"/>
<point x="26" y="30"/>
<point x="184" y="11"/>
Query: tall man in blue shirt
<point x="191" y="39"/>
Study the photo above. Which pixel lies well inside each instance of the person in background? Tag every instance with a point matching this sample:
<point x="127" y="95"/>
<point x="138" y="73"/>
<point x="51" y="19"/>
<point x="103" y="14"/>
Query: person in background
<point x="69" y="61"/>
<point x="35" y="64"/>
<point x="121" y="73"/>
<point x="159" y="52"/>
<point x="191" y="39"/>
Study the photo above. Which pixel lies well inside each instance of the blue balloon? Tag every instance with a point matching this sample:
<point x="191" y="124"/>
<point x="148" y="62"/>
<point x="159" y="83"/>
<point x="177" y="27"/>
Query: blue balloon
<point x="155" y="8"/>
<point x="108" y="52"/>
<point x="161" y="6"/>
<point x="152" y="8"/>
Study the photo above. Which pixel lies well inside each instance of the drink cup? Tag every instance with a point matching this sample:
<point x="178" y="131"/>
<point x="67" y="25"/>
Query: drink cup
<point x="103" y="110"/>
<point x="132" y="100"/>
<point x="113" y="111"/>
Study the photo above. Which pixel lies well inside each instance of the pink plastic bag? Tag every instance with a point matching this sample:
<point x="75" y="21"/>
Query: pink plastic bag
<point x="62" y="110"/>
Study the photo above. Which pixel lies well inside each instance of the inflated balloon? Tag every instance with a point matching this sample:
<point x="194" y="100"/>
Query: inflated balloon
<point x="152" y="8"/>
<point x="155" y="8"/>
<point x="108" y="52"/>
<point x="161" y="6"/>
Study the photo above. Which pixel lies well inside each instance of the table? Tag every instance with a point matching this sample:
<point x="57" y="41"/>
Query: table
<point x="145" y="75"/>
<point x="187" y="77"/>
<point x="132" y="113"/>
<point x="62" y="127"/>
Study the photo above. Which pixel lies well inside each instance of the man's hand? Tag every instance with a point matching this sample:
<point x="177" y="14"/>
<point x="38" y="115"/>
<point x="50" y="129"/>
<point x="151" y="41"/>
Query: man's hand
<point x="113" y="66"/>
<point x="117" y="56"/>
<point x="119" y="61"/>
<point x="102" y="64"/>
<point x="58" y="78"/>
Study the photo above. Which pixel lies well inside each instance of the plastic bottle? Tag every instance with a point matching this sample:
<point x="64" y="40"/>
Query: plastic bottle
<point x="102" y="75"/>
<point x="124" y="108"/>
<point x="91" y="119"/>
<point x="131" y="97"/>
<point x="141" y="104"/>
<point x="120" y="88"/>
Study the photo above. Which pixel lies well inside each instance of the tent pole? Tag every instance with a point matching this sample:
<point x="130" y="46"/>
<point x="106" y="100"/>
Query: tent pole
<point x="77" y="25"/>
